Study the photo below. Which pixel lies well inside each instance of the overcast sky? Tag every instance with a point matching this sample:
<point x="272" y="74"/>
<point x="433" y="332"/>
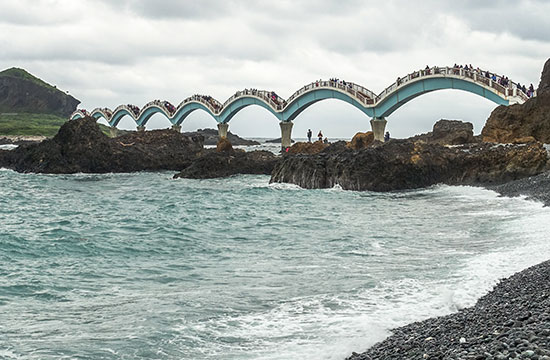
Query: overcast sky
<point x="107" y="53"/>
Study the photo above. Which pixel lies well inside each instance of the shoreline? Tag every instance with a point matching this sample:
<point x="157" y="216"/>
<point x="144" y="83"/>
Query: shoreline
<point x="511" y="321"/>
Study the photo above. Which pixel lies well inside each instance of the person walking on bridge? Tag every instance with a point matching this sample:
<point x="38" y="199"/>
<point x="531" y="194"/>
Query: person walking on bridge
<point x="309" y="135"/>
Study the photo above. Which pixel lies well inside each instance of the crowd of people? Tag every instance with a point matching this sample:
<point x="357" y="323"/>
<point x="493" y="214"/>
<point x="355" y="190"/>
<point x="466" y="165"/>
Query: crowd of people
<point x="133" y="108"/>
<point x="456" y="69"/>
<point x="336" y="82"/>
<point x="164" y="104"/>
<point x="207" y="99"/>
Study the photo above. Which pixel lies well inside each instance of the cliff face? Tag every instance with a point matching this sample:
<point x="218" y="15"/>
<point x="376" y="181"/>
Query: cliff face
<point x="22" y="92"/>
<point x="405" y="164"/>
<point x="521" y="123"/>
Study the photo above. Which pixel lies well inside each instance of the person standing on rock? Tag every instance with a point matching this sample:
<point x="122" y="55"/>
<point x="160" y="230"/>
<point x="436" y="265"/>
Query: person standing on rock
<point x="309" y="135"/>
<point x="320" y="135"/>
<point x="387" y="136"/>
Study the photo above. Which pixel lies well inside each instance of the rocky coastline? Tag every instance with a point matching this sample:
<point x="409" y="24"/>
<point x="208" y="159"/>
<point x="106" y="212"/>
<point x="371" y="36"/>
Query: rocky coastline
<point x="211" y="137"/>
<point x="511" y="322"/>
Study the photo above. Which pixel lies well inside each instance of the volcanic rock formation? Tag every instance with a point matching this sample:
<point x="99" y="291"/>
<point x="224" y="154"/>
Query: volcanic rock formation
<point x="449" y="132"/>
<point x="80" y="146"/>
<point x="215" y="164"/>
<point x="405" y="164"/>
<point x="525" y="122"/>
<point x="211" y="137"/>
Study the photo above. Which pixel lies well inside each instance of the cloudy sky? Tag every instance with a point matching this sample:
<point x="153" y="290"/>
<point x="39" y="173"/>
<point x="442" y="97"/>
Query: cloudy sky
<point x="108" y="52"/>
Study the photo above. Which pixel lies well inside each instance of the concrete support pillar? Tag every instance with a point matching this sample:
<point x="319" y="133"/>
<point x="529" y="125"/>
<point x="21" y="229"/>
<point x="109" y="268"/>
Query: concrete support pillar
<point x="286" y="133"/>
<point x="176" y="127"/>
<point x="141" y="128"/>
<point x="113" y="131"/>
<point x="378" y="126"/>
<point x="222" y="130"/>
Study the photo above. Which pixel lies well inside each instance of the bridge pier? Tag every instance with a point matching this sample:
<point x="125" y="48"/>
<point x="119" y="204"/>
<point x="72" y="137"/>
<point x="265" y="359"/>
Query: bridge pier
<point x="286" y="134"/>
<point x="378" y="126"/>
<point x="113" y="131"/>
<point x="141" y="128"/>
<point x="176" y="127"/>
<point x="222" y="130"/>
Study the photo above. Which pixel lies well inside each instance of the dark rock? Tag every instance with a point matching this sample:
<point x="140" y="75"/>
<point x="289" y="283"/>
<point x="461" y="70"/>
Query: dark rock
<point x="452" y="132"/>
<point x="80" y="146"/>
<point x="215" y="164"/>
<point x="22" y="92"/>
<point x="403" y="164"/>
<point x="531" y="119"/>
<point x="449" y="132"/>
<point x="211" y="137"/>
<point x="544" y="85"/>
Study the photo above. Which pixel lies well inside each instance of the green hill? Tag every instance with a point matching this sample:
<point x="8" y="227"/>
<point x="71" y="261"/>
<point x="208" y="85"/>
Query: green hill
<point x="23" y="74"/>
<point x="31" y="106"/>
<point x="34" y="124"/>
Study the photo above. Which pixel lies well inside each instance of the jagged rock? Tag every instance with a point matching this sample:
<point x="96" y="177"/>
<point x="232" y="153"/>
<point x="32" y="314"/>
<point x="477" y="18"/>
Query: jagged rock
<point x="449" y="132"/>
<point x="307" y="148"/>
<point x="80" y="146"/>
<point x="403" y="164"/>
<point x="544" y="85"/>
<point x="361" y="140"/>
<point x="224" y="145"/>
<point x="222" y="164"/>
<point x="211" y="137"/>
<point x="452" y="132"/>
<point x="508" y="123"/>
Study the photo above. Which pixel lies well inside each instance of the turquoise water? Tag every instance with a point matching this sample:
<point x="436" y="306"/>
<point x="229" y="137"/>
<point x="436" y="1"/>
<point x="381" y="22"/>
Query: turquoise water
<point x="140" y="266"/>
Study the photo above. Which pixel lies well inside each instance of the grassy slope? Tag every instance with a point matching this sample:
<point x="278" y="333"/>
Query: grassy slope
<point x="34" y="124"/>
<point x="22" y="74"/>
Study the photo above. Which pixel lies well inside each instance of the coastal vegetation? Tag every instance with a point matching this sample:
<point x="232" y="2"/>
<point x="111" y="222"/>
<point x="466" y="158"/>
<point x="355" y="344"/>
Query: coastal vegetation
<point x="29" y="124"/>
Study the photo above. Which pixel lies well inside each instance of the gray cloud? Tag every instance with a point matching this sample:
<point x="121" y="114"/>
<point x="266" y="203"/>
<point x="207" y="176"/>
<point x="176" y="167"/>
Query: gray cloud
<point x="131" y="51"/>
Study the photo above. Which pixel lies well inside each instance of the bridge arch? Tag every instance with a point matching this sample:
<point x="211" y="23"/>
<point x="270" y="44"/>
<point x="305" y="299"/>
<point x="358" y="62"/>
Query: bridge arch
<point x="308" y="98"/>
<point x="186" y="108"/>
<point x="412" y="89"/>
<point x="231" y="108"/>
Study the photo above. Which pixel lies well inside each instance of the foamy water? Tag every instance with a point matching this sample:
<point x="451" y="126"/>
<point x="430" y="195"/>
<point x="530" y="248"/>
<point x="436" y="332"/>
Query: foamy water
<point x="143" y="266"/>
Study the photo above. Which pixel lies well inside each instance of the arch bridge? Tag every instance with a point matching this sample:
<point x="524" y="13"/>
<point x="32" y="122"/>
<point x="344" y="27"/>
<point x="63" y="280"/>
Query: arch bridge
<point x="376" y="106"/>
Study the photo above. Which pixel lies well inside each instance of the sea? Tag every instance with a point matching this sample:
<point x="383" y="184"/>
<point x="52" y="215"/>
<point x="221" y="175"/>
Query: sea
<point x="142" y="266"/>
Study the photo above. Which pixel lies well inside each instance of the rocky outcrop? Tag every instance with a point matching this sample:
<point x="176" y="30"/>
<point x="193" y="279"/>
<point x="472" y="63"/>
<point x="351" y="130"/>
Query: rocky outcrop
<point x="509" y="124"/>
<point x="449" y="132"/>
<point x="80" y="146"/>
<point x="362" y="140"/>
<point x="22" y="92"/>
<point x="211" y="137"/>
<point x="215" y="164"/>
<point x="544" y="85"/>
<point x="307" y="147"/>
<point x="224" y="145"/>
<point x="402" y="164"/>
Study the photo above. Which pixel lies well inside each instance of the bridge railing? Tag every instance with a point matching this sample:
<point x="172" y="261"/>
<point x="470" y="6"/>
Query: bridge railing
<point x="212" y="104"/>
<point x="477" y="76"/>
<point x="361" y="93"/>
<point x="133" y="111"/>
<point x="276" y="102"/>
